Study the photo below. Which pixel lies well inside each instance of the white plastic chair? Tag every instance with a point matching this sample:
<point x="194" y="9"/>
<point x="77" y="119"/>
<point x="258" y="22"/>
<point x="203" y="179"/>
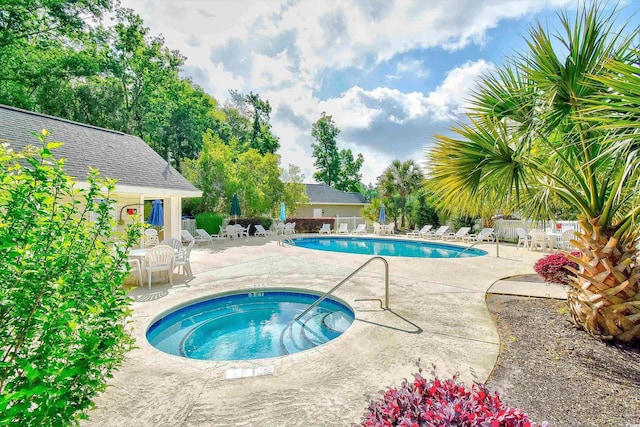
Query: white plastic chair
<point x="325" y="229"/>
<point x="484" y="234"/>
<point x="437" y="234"/>
<point x="159" y="258"/>
<point x="174" y="243"/>
<point x="182" y="260"/>
<point x="390" y="228"/>
<point x="241" y="231"/>
<point x="458" y="235"/>
<point x="342" y="228"/>
<point x="133" y="266"/>
<point x="203" y="236"/>
<point x="538" y="239"/>
<point x="232" y="232"/>
<point x="565" y="240"/>
<point x="151" y="237"/>
<point x="289" y="228"/>
<point x="377" y="228"/>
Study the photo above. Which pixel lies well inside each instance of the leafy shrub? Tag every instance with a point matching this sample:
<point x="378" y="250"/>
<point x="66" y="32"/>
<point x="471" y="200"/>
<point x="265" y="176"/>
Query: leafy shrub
<point x="436" y="402"/>
<point x="63" y="310"/>
<point x="311" y="225"/>
<point x="552" y="268"/>
<point x="209" y="222"/>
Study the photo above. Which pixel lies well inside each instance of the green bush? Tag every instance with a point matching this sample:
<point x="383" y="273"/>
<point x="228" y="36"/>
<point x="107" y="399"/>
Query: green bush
<point x="63" y="310"/>
<point x="209" y="222"/>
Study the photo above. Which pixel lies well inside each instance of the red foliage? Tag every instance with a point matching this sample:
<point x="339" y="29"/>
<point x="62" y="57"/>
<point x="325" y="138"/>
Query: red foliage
<point x="552" y="268"/>
<point x="311" y="225"/>
<point x="435" y="403"/>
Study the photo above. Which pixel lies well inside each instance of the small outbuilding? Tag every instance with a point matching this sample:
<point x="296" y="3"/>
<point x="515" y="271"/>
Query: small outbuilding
<point x="326" y="201"/>
<point x="141" y="173"/>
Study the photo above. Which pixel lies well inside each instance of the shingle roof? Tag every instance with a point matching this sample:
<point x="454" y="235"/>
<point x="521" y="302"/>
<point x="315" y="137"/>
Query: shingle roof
<point x="320" y="193"/>
<point x="117" y="155"/>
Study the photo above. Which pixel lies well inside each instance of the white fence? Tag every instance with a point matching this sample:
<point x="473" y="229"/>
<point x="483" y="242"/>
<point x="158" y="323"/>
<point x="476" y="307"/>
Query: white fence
<point x="506" y="229"/>
<point x="189" y="225"/>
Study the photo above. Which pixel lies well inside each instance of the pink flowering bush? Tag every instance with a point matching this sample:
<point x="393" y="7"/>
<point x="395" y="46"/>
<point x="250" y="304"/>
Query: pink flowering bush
<point x="552" y="268"/>
<point x="436" y="403"/>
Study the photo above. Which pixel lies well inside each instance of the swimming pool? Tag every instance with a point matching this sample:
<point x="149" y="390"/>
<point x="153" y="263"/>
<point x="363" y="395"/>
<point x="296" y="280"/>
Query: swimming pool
<point x="249" y="325"/>
<point x="387" y="247"/>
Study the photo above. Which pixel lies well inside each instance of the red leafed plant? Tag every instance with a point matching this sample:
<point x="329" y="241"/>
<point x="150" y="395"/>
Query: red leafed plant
<point x="552" y="267"/>
<point x="436" y="403"/>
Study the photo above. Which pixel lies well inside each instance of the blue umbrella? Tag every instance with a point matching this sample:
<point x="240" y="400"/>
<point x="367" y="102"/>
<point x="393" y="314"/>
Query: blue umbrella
<point x="235" y="206"/>
<point x="283" y="212"/>
<point x="156" y="217"/>
<point x="383" y="217"/>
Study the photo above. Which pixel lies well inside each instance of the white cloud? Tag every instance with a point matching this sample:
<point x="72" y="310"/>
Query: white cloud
<point x="284" y="49"/>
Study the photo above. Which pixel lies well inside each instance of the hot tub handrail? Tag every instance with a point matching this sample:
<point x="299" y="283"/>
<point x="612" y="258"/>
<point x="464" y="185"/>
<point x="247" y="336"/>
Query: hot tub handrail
<point x="343" y="281"/>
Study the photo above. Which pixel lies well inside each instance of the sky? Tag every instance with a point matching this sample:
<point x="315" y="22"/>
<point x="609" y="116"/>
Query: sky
<point x="392" y="74"/>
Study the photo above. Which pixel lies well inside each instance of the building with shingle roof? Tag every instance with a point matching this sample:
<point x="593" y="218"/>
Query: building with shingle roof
<point x="141" y="173"/>
<point x="326" y="201"/>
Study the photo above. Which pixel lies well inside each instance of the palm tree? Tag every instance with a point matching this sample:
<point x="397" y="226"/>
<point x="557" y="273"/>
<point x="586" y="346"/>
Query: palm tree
<point x="398" y="181"/>
<point x="560" y="122"/>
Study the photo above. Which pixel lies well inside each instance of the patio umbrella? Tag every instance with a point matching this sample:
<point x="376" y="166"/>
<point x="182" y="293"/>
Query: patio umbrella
<point x="235" y="206"/>
<point x="383" y="217"/>
<point x="156" y="217"/>
<point x="283" y="212"/>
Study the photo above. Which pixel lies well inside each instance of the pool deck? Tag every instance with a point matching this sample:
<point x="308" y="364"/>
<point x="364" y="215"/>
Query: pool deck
<point x="437" y="315"/>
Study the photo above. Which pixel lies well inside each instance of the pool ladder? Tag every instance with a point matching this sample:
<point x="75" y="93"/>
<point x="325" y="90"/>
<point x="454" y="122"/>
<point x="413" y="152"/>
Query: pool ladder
<point x="343" y="281"/>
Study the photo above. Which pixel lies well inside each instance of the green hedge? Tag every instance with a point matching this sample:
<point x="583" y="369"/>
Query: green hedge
<point x="209" y="222"/>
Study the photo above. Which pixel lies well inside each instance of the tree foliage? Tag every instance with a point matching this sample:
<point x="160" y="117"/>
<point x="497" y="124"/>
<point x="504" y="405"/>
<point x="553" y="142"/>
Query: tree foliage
<point x="63" y="309"/>
<point x="558" y="123"/>
<point x="397" y="182"/>
<point x="336" y="168"/>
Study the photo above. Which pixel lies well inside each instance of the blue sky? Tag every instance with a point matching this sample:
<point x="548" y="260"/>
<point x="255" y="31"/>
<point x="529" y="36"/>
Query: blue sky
<point x="391" y="73"/>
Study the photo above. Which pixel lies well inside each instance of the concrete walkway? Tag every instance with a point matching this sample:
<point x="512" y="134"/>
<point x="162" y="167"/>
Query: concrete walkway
<point x="437" y="315"/>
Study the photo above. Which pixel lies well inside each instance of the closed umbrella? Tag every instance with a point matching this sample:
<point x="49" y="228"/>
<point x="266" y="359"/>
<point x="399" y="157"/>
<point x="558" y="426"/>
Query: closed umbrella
<point x="283" y="212"/>
<point x="156" y="217"/>
<point x="383" y="216"/>
<point x="235" y="206"/>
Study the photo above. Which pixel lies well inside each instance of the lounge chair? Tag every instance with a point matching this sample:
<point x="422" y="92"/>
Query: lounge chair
<point x="524" y="239"/>
<point x="458" y="235"/>
<point x="418" y="233"/>
<point x="325" y="229"/>
<point x="342" y="228"/>
<point x="187" y="237"/>
<point x="436" y="234"/>
<point x="260" y="231"/>
<point x="360" y="229"/>
<point x="484" y="234"/>
<point x="202" y="235"/>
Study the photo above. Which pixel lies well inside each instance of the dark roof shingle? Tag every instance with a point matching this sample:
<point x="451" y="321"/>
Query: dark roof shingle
<point x="117" y="155"/>
<point x="321" y="193"/>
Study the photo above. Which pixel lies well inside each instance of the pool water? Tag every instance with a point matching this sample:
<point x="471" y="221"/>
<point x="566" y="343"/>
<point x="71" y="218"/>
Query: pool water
<point x="249" y="325"/>
<point x="387" y="247"/>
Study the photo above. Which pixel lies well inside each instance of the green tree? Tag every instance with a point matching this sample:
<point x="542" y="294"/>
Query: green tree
<point x="424" y="212"/>
<point x="338" y="169"/>
<point x="295" y="192"/>
<point x="398" y="181"/>
<point x="559" y="122"/>
<point x="63" y="310"/>
<point x="257" y="111"/>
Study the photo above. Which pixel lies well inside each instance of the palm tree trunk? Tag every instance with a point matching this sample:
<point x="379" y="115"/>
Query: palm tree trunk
<point x="605" y="299"/>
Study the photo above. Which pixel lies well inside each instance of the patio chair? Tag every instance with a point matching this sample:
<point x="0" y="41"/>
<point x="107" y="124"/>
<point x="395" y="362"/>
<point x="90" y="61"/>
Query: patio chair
<point x="538" y="240"/>
<point x="150" y="238"/>
<point x="242" y="231"/>
<point x="174" y="243"/>
<point x="325" y="229"/>
<point x="132" y="266"/>
<point x="458" y="235"/>
<point x="418" y="233"/>
<point x="186" y="236"/>
<point x="390" y="228"/>
<point x="360" y="229"/>
<point x="290" y="228"/>
<point x="260" y="231"/>
<point x="280" y="228"/>
<point x="231" y="232"/>
<point x="523" y="238"/>
<point x="436" y="234"/>
<point x="182" y="260"/>
<point x="484" y="234"/>
<point x="377" y="228"/>
<point x="159" y="258"/>
<point x="342" y="228"/>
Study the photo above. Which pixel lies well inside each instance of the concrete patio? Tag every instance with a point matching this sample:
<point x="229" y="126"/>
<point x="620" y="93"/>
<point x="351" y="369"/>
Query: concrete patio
<point x="437" y="315"/>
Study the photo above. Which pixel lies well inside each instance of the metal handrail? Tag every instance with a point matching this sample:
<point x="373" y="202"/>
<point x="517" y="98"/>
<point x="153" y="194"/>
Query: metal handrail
<point x="342" y="282"/>
<point x="479" y="241"/>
